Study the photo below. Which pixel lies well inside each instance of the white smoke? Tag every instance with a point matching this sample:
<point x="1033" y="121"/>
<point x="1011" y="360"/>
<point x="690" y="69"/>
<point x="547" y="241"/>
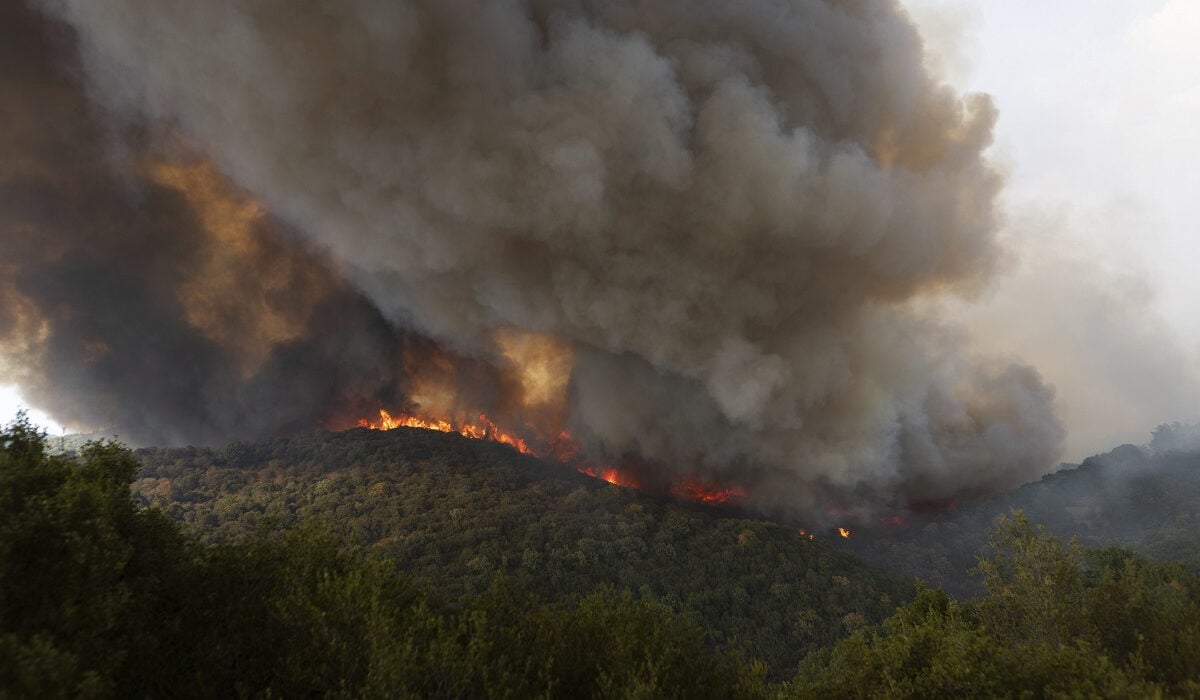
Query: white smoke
<point x="725" y="208"/>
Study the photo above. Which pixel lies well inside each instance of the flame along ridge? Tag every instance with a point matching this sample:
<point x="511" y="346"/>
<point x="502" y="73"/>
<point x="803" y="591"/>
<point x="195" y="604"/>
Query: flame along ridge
<point x="563" y="449"/>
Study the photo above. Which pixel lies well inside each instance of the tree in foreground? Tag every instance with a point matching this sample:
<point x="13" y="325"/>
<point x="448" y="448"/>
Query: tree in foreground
<point x="1055" y="622"/>
<point x="86" y="577"/>
<point x="102" y="598"/>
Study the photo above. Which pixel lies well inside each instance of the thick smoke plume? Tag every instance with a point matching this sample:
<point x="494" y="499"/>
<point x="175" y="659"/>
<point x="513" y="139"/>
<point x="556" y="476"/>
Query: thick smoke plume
<point x="140" y="293"/>
<point x="719" y="213"/>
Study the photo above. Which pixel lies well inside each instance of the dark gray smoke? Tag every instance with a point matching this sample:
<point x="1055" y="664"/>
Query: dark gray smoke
<point x="720" y="212"/>
<point x="121" y="308"/>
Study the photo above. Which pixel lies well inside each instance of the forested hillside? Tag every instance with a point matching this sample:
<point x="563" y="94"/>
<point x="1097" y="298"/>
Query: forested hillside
<point x="1145" y="498"/>
<point x="456" y="513"/>
<point x="101" y="596"/>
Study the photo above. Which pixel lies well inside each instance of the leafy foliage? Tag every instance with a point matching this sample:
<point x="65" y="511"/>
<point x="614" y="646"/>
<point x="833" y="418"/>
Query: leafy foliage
<point x="81" y="567"/>
<point x="1054" y="623"/>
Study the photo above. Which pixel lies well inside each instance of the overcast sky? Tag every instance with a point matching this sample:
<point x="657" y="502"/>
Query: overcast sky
<point x="1099" y="101"/>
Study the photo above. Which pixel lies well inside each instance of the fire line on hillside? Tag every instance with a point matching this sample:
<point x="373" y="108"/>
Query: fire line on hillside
<point x="564" y="449"/>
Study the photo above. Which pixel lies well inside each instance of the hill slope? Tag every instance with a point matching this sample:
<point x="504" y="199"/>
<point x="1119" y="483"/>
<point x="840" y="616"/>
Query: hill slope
<point x="457" y="512"/>
<point x="1145" y="498"/>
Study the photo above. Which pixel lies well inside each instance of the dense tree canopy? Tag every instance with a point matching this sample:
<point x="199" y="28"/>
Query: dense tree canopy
<point x="103" y="596"/>
<point x="455" y="513"/>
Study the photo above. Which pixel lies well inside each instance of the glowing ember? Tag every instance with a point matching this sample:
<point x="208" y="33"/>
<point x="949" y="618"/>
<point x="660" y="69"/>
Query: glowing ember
<point x="612" y="476"/>
<point x="707" y="493"/>
<point x="843" y="532"/>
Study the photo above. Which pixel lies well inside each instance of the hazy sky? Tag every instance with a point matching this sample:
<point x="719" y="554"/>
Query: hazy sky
<point x="1098" y="104"/>
<point x="10" y="403"/>
<point x="1099" y="101"/>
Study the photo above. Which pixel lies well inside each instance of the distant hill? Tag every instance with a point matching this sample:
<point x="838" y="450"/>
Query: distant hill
<point x="1146" y="498"/>
<point x="457" y="513"/>
<point x="71" y="442"/>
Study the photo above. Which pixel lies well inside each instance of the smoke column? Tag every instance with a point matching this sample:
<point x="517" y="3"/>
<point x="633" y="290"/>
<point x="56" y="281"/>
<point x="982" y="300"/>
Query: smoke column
<point x="722" y="214"/>
<point x="140" y="293"/>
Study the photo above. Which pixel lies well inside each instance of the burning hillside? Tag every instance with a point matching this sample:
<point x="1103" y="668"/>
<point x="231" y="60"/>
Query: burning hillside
<point x="482" y="429"/>
<point x="690" y="241"/>
<point x="561" y="448"/>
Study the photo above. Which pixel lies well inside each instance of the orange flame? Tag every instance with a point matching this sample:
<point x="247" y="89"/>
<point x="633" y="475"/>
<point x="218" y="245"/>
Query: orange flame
<point x="843" y="532"/>
<point x="484" y="429"/>
<point x="613" y="476"/>
<point x="562" y="448"/>
<point x="707" y="493"/>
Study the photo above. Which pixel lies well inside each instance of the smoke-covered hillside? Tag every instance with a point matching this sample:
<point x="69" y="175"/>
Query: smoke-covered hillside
<point x="1143" y="497"/>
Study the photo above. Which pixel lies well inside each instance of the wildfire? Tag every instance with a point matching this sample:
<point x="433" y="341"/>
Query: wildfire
<point x="484" y="429"/>
<point x="707" y="493"/>
<point x="843" y="532"/>
<point x="562" y="448"/>
<point x="612" y="476"/>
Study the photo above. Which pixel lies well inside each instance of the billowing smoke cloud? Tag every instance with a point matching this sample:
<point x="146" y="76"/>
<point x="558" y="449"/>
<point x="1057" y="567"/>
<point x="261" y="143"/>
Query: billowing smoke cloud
<point x="722" y="211"/>
<point x="147" y="297"/>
